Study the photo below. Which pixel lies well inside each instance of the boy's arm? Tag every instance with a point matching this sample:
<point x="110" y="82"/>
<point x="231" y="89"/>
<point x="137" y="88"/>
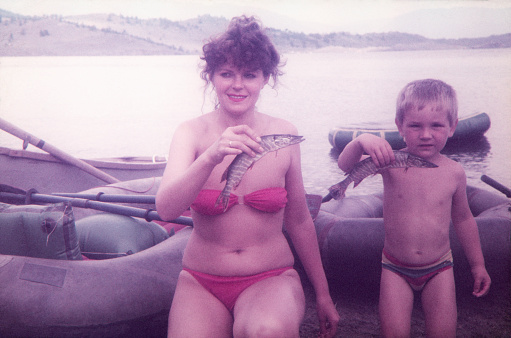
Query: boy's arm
<point x="376" y="147"/>
<point x="468" y="235"/>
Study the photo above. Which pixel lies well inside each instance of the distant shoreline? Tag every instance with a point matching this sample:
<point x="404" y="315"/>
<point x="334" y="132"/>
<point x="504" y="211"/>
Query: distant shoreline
<point x="108" y="35"/>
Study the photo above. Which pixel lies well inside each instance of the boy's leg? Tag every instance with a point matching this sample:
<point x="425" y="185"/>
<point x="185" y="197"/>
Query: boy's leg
<point x="439" y="303"/>
<point x="195" y="312"/>
<point x="273" y="307"/>
<point x="396" y="304"/>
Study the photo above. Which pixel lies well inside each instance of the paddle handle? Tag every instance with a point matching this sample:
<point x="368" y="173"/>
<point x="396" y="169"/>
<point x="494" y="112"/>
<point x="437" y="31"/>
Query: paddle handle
<point x="491" y="182"/>
<point x="61" y="155"/>
<point x="115" y="198"/>
<point x="147" y="214"/>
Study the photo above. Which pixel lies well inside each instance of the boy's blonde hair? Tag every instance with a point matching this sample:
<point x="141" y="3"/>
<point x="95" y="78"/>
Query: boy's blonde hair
<point x="417" y="94"/>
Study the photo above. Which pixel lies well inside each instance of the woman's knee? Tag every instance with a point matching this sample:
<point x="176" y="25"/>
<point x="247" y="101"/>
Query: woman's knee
<point x="269" y="327"/>
<point x="271" y="308"/>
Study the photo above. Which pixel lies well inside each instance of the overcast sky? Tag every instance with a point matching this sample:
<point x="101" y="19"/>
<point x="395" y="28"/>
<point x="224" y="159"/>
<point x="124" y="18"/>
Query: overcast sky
<point x="309" y="16"/>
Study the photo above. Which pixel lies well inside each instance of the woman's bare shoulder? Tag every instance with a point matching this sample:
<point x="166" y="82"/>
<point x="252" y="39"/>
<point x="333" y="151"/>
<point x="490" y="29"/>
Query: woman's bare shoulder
<point x="277" y="125"/>
<point x="196" y="126"/>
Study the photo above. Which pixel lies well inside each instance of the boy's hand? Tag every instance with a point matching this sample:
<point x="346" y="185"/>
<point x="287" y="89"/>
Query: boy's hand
<point x="378" y="148"/>
<point x="482" y="281"/>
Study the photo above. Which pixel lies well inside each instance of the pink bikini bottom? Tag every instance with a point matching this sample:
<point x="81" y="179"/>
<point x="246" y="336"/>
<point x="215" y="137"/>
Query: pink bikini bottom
<point x="228" y="288"/>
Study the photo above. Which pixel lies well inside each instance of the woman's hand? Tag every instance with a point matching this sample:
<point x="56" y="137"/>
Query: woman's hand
<point x="328" y="317"/>
<point x="234" y="141"/>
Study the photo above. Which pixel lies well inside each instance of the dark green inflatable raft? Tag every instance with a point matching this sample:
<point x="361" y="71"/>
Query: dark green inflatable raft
<point x="469" y="130"/>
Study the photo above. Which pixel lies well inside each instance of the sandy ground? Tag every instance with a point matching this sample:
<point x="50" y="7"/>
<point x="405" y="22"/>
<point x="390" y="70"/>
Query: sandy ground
<point x="489" y="316"/>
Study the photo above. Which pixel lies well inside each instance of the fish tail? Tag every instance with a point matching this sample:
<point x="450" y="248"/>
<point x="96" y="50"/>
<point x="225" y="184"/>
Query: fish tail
<point x="337" y="191"/>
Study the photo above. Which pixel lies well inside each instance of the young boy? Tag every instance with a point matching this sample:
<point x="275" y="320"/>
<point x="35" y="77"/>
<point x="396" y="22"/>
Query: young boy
<point x="418" y="207"/>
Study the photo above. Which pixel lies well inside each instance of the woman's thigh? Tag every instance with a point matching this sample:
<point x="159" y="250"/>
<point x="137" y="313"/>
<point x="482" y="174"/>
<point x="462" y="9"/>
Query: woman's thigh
<point x="272" y="307"/>
<point x="195" y="312"/>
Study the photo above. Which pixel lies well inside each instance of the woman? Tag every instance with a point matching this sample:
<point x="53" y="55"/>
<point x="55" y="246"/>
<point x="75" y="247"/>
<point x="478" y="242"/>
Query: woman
<point x="238" y="277"/>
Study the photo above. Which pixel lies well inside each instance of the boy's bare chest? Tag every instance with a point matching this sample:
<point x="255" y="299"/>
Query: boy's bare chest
<point x="431" y="184"/>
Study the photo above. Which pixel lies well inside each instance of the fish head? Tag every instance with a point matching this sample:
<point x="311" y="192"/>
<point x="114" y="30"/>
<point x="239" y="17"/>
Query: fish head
<point x="282" y="140"/>
<point x="415" y="161"/>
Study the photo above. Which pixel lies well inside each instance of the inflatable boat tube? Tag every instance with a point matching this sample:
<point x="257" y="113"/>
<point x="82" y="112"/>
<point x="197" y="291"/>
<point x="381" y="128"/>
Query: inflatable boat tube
<point x="351" y="234"/>
<point x="39" y="231"/>
<point x="51" y="232"/>
<point x="104" y="236"/>
<point x="469" y="130"/>
<point x="127" y="296"/>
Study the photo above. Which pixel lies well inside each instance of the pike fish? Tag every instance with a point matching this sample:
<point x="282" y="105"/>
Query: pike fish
<point x="242" y="162"/>
<point x="367" y="168"/>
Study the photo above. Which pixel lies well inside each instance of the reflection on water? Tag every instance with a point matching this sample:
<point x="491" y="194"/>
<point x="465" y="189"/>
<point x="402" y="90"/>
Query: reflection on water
<point x="474" y="157"/>
<point x="474" y="149"/>
<point x="130" y="106"/>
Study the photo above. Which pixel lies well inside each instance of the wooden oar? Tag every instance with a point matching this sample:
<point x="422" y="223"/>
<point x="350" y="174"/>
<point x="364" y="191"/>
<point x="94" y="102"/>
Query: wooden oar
<point x="61" y="155"/>
<point x="327" y="198"/>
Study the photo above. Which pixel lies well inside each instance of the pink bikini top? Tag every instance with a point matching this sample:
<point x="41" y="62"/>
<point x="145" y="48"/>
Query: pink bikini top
<point x="267" y="200"/>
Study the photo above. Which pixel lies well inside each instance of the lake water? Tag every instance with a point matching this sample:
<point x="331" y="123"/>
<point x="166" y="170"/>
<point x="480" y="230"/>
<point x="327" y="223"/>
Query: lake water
<point x="121" y="106"/>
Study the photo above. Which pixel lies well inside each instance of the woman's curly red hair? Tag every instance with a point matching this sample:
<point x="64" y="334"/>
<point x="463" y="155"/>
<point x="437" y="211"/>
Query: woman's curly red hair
<point x="244" y="45"/>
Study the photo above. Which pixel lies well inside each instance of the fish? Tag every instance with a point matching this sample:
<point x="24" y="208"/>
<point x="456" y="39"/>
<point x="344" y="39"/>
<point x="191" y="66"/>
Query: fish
<point x="242" y="162"/>
<point x="367" y="168"/>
